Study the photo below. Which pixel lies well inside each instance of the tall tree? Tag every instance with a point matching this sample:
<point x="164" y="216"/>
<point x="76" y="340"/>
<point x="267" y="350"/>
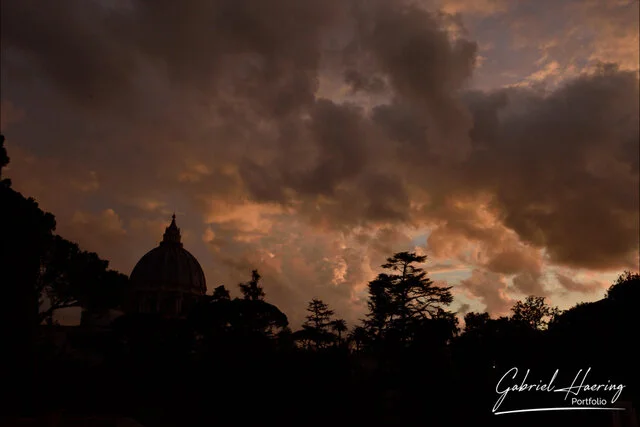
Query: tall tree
<point x="404" y="298"/>
<point x="25" y="233"/>
<point x="253" y="315"/>
<point x="318" y="322"/>
<point x="380" y="304"/>
<point x="4" y="158"/>
<point x="319" y="316"/>
<point x="252" y="290"/>
<point x="358" y="337"/>
<point x="338" y="326"/>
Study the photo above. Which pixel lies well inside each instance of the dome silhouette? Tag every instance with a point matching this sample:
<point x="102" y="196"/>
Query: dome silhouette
<point x="167" y="279"/>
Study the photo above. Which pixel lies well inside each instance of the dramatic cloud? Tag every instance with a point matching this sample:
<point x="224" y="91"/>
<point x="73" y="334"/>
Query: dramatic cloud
<point x="571" y="161"/>
<point x="491" y="290"/>
<point x="578" y="286"/>
<point x="312" y="139"/>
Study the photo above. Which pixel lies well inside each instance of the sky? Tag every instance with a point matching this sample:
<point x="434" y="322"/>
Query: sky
<point x="312" y="139"/>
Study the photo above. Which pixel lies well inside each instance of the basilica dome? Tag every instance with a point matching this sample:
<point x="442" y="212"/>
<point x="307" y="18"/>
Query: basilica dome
<point x="166" y="280"/>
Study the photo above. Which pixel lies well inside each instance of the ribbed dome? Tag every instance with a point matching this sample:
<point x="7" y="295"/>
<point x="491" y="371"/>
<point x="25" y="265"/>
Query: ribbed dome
<point x="169" y="267"/>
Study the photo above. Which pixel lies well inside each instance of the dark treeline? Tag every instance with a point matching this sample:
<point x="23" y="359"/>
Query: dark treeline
<point x="235" y="361"/>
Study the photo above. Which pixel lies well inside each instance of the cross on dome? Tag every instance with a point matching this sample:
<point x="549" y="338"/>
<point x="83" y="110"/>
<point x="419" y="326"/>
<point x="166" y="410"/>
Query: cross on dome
<point x="172" y="233"/>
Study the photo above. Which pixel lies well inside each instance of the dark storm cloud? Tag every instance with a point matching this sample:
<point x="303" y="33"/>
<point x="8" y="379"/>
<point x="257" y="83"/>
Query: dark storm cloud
<point x="361" y="82"/>
<point x="267" y="51"/>
<point x="413" y="50"/>
<point x="341" y="150"/>
<point x="563" y="168"/>
<point x="74" y="44"/>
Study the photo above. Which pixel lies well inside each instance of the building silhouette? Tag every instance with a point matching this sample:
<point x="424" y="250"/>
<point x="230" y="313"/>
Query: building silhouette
<point x="167" y="280"/>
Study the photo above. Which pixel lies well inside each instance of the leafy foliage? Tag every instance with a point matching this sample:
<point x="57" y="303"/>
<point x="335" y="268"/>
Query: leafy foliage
<point x="318" y="323"/>
<point x="252" y="290"/>
<point x="402" y="301"/>
<point x="70" y="277"/>
<point x="534" y="312"/>
<point x="626" y="288"/>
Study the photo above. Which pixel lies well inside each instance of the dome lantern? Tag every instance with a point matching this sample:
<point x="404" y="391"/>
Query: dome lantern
<point x="172" y="233"/>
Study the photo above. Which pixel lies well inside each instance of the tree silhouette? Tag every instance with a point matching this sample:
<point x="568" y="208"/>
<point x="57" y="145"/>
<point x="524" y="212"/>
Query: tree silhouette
<point x="4" y="159"/>
<point x="475" y="321"/>
<point x="339" y="326"/>
<point x="380" y="304"/>
<point x="534" y="312"/>
<point x="211" y="317"/>
<point x="400" y="302"/>
<point x="253" y="315"/>
<point x="587" y="332"/>
<point x="626" y="288"/>
<point x="319" y="316"/>
<point x="70" y="277"/>
<point x="252" y="290"/>
<point x="318" y="323"/>
<point x="26" y="232"/>
<point x="359" y="337"/>
<point x="221" y="294"/>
